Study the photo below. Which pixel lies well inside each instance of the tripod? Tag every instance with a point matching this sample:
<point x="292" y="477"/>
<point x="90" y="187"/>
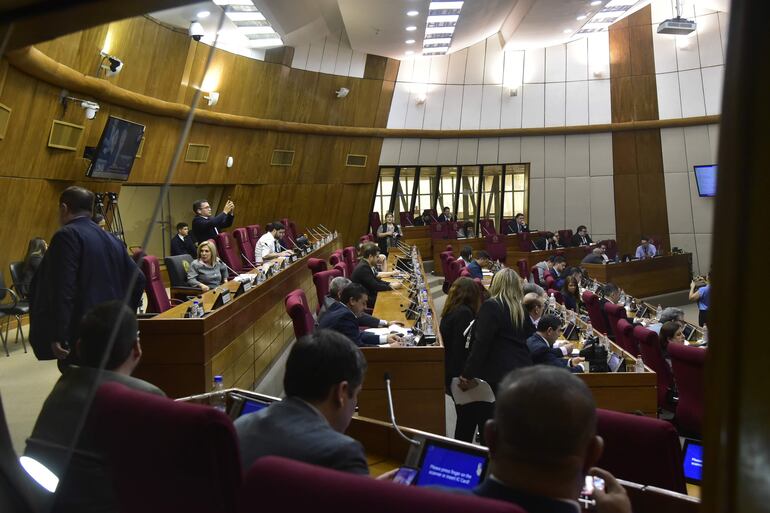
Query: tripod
<point x="111" y="213"/>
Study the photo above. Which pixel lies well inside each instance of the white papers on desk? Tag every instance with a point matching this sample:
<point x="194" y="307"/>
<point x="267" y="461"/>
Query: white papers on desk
<point x="243" y="278"/>
<point x="486" y="273"/>
<point x="393" y="328"/>
<point x="480" y="393"/>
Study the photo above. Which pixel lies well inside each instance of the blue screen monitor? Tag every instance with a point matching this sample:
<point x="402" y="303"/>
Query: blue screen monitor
<point x="706" y="178"/>
<point x="693" y="461"/>
<point x="451" y="466"/>
<point x="252" y="406"/>
<point x="116" y="151"/>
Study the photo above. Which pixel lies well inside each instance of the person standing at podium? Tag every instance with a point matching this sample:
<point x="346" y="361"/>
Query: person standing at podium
<point x="645" y="249"/>
<point x="205" y="227"/>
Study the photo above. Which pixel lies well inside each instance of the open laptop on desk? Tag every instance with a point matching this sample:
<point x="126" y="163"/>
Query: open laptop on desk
<point x="244" y="404"/>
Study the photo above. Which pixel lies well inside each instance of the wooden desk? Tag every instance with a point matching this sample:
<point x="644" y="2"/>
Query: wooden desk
<point x="650" y="277"/>
<point x="418" y="236"/>
<point x="239" y="340"/>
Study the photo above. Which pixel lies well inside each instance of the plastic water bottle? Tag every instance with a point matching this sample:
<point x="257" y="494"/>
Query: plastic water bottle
<point x="658" y="313"/>
<point x="589" y="330"/>
<point x="196" y="309"/>
<point x="218" y="400"/>
<point x="552" y="302"/>
<point x="639" y="365"/>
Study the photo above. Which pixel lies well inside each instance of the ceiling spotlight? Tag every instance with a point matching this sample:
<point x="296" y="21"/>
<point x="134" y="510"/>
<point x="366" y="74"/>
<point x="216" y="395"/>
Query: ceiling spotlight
<point x="411" y="28"/>
<point x="203" y="14"/>
<point x="196" y="31"/>
<point x="212" y="98"/>
<point x="596" y="2"/>
<point x="409" y="41"/>
<point x="412" y="13"/>
<point x="342" y="92"/>
<point x="581" y="17"/>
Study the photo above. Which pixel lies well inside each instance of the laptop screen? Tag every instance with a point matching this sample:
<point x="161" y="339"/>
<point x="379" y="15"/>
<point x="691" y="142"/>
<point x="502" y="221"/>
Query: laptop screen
<point x="693" y="461"/>
<point x="614" y="361"/>
<point x="251" y="406"/>
<point x="451" y="467"/>
<point x="688" y="332"/>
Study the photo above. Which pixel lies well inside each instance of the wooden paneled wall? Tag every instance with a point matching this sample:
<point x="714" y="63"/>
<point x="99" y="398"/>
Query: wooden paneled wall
<point x="640" y="190"/>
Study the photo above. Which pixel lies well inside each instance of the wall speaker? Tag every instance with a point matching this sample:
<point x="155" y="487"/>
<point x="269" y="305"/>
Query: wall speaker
<point x="65" y="136"/>
<point x="353" y="160"/>
<point x="282" y="158"/>
<point x="198" y="153"/>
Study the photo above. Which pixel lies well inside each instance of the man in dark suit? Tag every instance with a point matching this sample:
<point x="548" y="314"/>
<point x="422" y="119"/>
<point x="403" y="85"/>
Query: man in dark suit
<point x="581" y="237"/>
<point x="446" y="216"/>
<point x="336" y="287"/>
<point x="610" y="294"/>
<point x="342" y="317"/>
<point x="539" y="460"/>
<point x="366" y="274"/>
<point x="182" y="243"/>
<point x="519" y="225"/>
<point x="533" y="311"/>
<point x="476" y="266"/>
<point x="558" y="272"/>
<point x="545" y="349"/>
<point x="424" y="220"/>
<point x="204" y="226"/>
<point x="323" y="378"/>
<point x="550" y="241"/>
<point x="84" y="266"/>
<point x="594" y="257"/>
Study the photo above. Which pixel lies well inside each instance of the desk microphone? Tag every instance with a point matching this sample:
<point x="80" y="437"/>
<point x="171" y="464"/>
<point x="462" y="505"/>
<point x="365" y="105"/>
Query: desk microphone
<point x="386" y="377"/>
<point x="408" y="310"/>
<point x="252" y="264"/>
<point x="325" y="229"/>
<point x="230" y="268"/>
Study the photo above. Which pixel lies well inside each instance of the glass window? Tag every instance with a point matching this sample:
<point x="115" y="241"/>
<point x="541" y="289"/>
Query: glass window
<point x="384" y="191"/>
<point x="426" y="189"/>
<point x="515" y="197"/>
<point x="446" y="194"/>
<point x="467" y="209"/>
<point x="490" y="194"/>
<point x="404" y="191"/>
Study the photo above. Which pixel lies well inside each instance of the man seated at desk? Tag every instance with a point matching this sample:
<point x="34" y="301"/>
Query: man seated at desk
<point x="342" y="317"/>
<point x="558" y="271"/>
<point x="645" y="249"/>
<point x="596" y="256"/>
<point x="581" y="237"/>
<point x="545" y="348"/>
<point x="86" y="485"/>
<point x="324" y="373"/>
<point x="446" y="216"/>
<point x="482" y="261"/>
<point x="335" y="289"/>
<point x="670" y="313"/>
<point x="538" y="460"/>
<point x="366" y="274"/>
<point x="519" y="224"/>
<point x="543" y="268"/>
<point x="534" y="307"/>
<point x="183" y="243"/>
<point x="550" y="241"/>
<point x="424" y="220"/>
<point x="268" y="246"/>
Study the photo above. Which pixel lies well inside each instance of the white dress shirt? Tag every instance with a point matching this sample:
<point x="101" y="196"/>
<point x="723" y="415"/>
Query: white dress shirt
<point x="265" y="246"/>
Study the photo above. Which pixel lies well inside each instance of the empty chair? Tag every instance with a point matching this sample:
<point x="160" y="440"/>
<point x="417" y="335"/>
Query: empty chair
<point x="649" y="346"/>
<point x="550" y="282"/>
<point x="505" y="226"/>
<point x="299" y="311"/>
<point x="17" y="277"/>
<point x="591" y="301"/>
<point x="614" y="314"/>
<point x="641" y="449"/>
<point x="229" y="254"/>
<point x="16" y="308"/>
<point x="624" y="337"/>
<point x="321" y="281"/>
<point x="342" y="268"/>
<point x="525" y="241"/>
<point x="316" y="265"/>
<point x="523" y="268"/>
<point x="255" y="232"/>
<point x="556" y="295"/>
<point x="439" y="230"/>
<point x="275" y="482"/>
<point x="455" y="267"/>
<point x="177" y="267"/>
<point x="291" y="231"/>
<point x="157" y="299"/>
<point x="374" y="221"/>
<point x="495" y="246"/>
<point x="443" y="256"/>
<point x="487" y="227"/>
<point x="688" y="364"/>
<point x="565" y="237"/>
<point x="450" y="278"/>
<point x="350" y="258"/>
<point x="245" y="247"/>
<point x="192" y="449"/>
<point x="406" y="219"/>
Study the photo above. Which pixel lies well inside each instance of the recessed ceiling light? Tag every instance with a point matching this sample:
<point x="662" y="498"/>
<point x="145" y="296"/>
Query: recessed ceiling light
<point x="411" y="28"/>
<point x="203" y="14"/>
<point x="409" y="41"/>
<point x="567" y="31"/>
<point x="596" y="2"/>
<point x="409" y="52"/>
<point x="412" y="13"/>
<point x="581" y="17"/>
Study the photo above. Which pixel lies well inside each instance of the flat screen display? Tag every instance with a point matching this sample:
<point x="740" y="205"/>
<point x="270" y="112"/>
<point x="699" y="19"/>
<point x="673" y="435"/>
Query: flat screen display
<point x="450" y="467"/>
<point x="706" y="178"/>
<point x="693" y="461"/>
<point x="115" y="154"/>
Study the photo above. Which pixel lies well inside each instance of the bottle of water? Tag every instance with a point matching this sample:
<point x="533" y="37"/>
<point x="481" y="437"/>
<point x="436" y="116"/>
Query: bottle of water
<point x="196" y="310"/>
<point x="218" y="400"/>
<point x="552" y="302"/>
<point x="589" y="331"/>
<point x="639" y="365"/>
<point x="658" y="313"/>
<point x="428" y="328"/>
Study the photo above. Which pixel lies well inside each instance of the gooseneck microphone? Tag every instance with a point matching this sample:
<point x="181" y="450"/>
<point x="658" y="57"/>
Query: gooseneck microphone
<point x="386" y="377"/>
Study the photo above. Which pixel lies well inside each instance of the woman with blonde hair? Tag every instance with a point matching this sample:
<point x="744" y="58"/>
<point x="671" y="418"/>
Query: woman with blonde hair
<point x="207" y="270"/>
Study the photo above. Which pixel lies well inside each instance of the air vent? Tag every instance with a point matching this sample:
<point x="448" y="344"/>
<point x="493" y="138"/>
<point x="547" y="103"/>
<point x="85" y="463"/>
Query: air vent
<point x="140" y="149"/>
<point x="282" y="158"/>
<point x="5" y="117"/>
<point x="198" y="153"/>
<point x="65" y="136"/>
<point x="353" y="160"/>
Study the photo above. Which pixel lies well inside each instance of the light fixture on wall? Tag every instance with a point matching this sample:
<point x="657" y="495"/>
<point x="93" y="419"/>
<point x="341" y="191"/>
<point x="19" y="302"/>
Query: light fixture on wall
<point x="342" y="92"/>
<point x="110" y="64"/>
<point x="597" y="73"/>
<point x="90" y="107"/>
<point x="420" y="99"/>
<point x="512" y="90"/>
<point x="212" y="98"/>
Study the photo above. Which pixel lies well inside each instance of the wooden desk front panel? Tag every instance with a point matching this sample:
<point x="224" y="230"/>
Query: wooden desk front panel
<point x="626" y="392"/>
<point x="418" y="236"/>
<point x="643" y="278"/>
<point x="238" y="341"/>
<point x="573" y="255"/>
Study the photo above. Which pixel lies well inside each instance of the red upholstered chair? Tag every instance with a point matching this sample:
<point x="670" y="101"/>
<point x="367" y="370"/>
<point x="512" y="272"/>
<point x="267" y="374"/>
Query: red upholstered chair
<point x="448" y="270"/>
<point x="455" y="267"/>
<point x="591" y="301"/>
<point x="279" y="484"/>
<point x="406" y="219"/>
<point x="298" y="309"/>
<point x="255" y="232"/>
<point x="523" y="268"/>
<point x="612" y="248"/>
<point x="291" y="229"/>
<point x="157" y="299"/>
<point x="363" y="239"/>
<point x="245" y="247"/>
<point x="614" y="314"/>
<point x="536" y="277"/>
<point x="565" y="237"/>
<point x="649" y="346"/>
<point x="374" y="221"/>
<point x="439" y="231"/>
<point x="495" y="246"/>
<point x="229" y="254"/>
<point x="525" y="241"/>
<point x="641" y="449"/>
<point x="316" y="265"/>
<point x="350" y="258"/>
<point x="688" y="366"/>
<point x="166" y="455"/>
<point x="443" y="256"/>
<point x="342" y="268"/>
<point x="465" y="273"/>
<point x="556" y="295"/>
<point x="433" y="213"/>
<point x="321" y="281"/>
<point x="550" y="281"/>
<point x="624" y="337"/>
<point x="505" y="226"/>
<point x="657" y="241"/>
<point x="487" y="227"/>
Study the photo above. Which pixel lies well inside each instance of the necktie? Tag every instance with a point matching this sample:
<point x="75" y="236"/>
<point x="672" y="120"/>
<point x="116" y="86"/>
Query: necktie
<point x="277" y="250"/>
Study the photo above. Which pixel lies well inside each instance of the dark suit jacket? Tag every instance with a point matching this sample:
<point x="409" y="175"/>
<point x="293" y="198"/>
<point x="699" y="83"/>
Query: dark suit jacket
<point x="544" y="354"/>
<point x="578" y="241"/>
<point x="183" y="247"/>
<point x="365" y="319"/>
<point x="514" y="227"/>
<point x="559" y="283"/>
<point x="28" y="273"/>
<point x="340" y="318"/>
<point x="452" y="327"/>
<point x="84" y="266"/>
<point x="531" y="503"/>
<point x="529" y="326"/>
<point x="540" y="244"/>
<point x="203" y="227"/>
<point x="296" y="430"/>
<point x="443" y="219"/>
<point x="364" y="275"/>
<point x="497" y="347"/>
<point x="590" y="258"/>
<point x="475" y="269"/>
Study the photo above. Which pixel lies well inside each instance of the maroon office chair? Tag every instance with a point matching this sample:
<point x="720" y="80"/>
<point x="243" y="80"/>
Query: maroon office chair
<point x="487" y="227"/>
<point x="291" y="230"/>
<point x="350" y="257"/>
<point x="321" y="280"/>
<point x="557" y="295"/>
<point x="342" y="268"/>
<point x="443" y="256"/>
<point x="337" y="258"/>
<point x="246" y="248"/>
<point x="229" y="254"/>
<point x="157" y="299"/>
<point x="495" y="246"/>
<point x="505" y="226"/>
<point x="279" y="484"/>
<point x="374" y="221"/>
<point x="624" y="337"/>
<point x="614" y="314"/>
<point x="565" y="237"/>
<point x="448" y="273"/>
<point x="536" y="276"/>
<point x="316" y="265"/>
<point x="525" y="241"/>
<point x="406" y="219"/>
<point x="165" y="455"/>
<point x="363" y="239"/>
<point x="255" y="232"/>
<point x="657" y="241"/>
<point x="456" y="267"/>
<point x="298" y="309"/>
<point x="688" y="364"/>
<point x="439" y="231"/>
<point x="465" y="273"/>
<point x="641" y="449"/>
<point x="550" y="281"/>
<point x="612" y="248"/>
<point x="593" y="306"/>
<point x="649" y="346"/>
<point x="523" y="269"/>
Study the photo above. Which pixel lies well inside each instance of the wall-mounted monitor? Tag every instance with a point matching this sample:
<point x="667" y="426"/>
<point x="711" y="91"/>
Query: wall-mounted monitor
<point x="114" y="155"/>
<point x="706" y="178"/>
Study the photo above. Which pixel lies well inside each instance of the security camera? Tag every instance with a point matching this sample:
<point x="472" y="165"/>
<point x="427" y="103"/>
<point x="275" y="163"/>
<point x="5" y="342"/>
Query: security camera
<point x="90" y="107"/>
<point x="342" y="92"/>
<point x="196" y="31"/>
<point x="113" y="66"/>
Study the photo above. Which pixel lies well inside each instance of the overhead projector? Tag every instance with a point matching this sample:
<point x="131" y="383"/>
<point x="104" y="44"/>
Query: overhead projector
<point x="677" y="26"/>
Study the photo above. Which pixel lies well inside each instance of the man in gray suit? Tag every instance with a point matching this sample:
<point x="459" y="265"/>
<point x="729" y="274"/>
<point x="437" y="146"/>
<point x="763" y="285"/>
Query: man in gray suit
<point x="323" y="377"/>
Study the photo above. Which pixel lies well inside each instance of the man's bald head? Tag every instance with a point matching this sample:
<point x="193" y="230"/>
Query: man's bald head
<point x="532" y="301"/>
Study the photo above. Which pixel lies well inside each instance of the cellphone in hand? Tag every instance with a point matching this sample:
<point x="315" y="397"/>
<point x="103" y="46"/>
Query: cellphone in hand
<point x="405" y="475"/>
<point x="586" y="498"/>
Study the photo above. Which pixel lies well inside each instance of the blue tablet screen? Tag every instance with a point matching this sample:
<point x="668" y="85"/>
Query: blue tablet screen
<point x="450" y="468"/>
<point x="693" y="461"/>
